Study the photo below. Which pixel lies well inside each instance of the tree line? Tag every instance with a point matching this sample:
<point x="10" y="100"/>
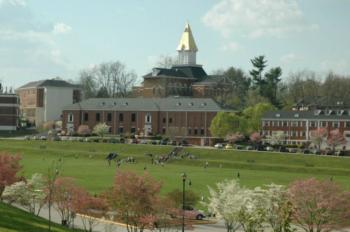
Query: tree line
<point x="261" y="84"/>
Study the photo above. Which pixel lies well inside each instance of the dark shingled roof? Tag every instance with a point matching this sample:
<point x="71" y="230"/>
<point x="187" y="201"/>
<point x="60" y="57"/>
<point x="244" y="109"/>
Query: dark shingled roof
<point x="191" y="72"/>
<point x="49" y="82"/>
<point x="313" y="115"/>
<point x="213" y="80"/>
<point x="148" y="104"/>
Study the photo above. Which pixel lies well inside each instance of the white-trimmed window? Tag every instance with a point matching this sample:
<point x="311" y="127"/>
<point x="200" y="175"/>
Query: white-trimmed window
<point x="335" y="124"/>
<point x="148" y="118"/>
<point x="70" y="117"/>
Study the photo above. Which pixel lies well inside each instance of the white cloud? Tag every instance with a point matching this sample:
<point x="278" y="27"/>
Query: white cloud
<point x="231" y="47"/>
<point x="289" y="58"/>
<point x="21" y="3"/>
<point x="61" y="28"/>
<point x="257" y="18"/>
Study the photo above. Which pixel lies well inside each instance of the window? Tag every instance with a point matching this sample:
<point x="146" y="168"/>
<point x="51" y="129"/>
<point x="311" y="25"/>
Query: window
<point x="285" y="123"/>
<point x="148" y="118"/>
<point x="163" y="130"/>
<point x="133" y="117"/>
<point x="98" y="117"/>
<point x="86" y="117"/>
<point x="121" y="117"/>
<point x="189" y="131"/>
<point x="294" y="123"/>
<point x="109" y="117"/>
<point x="347" y="124"/>
<point x="313" y="124"/>
<point x="132" y="130"/>
<point x="120" y="130"/>
<point x="70" y="118"/>
<point x="164" y="120"/>
<point x="335" y="124"/>
<point x="303" y="134"/>
<point x="170" y="120"/>
<point x="202" y="131"/>
<point x="195" y="131"/>
<point x="324" y="124"/>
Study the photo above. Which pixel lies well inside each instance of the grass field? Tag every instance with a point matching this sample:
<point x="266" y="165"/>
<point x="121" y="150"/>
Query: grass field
<point x="86" y="163"/>
<point x="13" y="220"/>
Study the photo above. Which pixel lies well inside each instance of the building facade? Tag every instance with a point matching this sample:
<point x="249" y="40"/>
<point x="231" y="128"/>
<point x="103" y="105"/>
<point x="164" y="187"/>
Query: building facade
<point x="9" y="112"/>
<point x="186" y="78"/>
<point x="297" y="125"/>
<point x="42" y="101"/>
<point x="174" y="117"/>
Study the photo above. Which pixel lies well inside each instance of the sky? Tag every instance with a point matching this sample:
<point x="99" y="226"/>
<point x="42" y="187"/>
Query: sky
<point x="42" y="39"/>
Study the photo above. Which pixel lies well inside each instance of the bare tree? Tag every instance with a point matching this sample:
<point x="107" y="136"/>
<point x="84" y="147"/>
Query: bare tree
<point x="166" y="61"/>
<point x="111" y="78"/>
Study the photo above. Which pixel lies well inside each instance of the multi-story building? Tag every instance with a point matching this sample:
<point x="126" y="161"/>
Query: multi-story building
<point x="185" y="78"/>
<point x="42" y="101"/>
<point x="297" y="125"/>
<point x="9" y="112"/>
<point x="176" y="117"/>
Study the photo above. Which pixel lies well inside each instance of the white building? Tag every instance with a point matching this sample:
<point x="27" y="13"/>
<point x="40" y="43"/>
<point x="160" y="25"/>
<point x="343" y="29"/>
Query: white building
<point x="43" y="101"/>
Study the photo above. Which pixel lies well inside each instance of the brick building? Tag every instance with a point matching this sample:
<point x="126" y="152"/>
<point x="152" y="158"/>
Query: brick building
<point x="9" y="112"/>
<point x="175" y="117"/>
<point x="186" y="78"/>
<point x="296" y="125"/>
<point x="42" y="101"/>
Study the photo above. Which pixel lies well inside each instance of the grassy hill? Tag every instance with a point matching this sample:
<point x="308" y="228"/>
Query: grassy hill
<point x="16" y="220"/>
<point x="86" y="163"/>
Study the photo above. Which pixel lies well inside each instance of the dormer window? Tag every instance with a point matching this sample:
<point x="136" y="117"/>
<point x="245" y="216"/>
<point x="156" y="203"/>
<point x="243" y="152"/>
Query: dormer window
<point x="204" y="104"/>
<point x="115" y="103"/>
<point x="126" y="103"/>
<point x="190" y="104"/>
<point x="296" y="115"/>
<point x="178" y="104"/>
<point x="278" y="115"/>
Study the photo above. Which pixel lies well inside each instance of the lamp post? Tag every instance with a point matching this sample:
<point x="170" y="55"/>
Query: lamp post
<point x="184" y="176"/>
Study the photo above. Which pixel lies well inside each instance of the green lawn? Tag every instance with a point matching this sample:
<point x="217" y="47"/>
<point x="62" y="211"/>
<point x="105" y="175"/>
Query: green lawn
<point x="86" y="163"/>
<point x="13" y="220"/>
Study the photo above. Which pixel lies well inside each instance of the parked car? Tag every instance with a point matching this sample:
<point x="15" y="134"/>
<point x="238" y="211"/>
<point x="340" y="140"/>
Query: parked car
<point x="239" y="147"/>
<point x="183" y="143"/>
<point x="293" y="150"/>
<point x="219" y="145"/>
<point x="43" y="137"/>
<point x="249" y="147"/>
<point x="269" y="148"/>
<point x="189" y="213"/>
<point x="173" y="143"/>
<point x="228" y="146"/>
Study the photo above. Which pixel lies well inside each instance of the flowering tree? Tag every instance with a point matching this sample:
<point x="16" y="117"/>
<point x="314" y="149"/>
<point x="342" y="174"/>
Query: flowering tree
<point x="30" y="194"/>
<point x="84" y="130"/>
<point x="255" y="138"/>
<point x="277" y="138"/>
<point x="101" y="129"/>
<point x="318" y="136"/>
<point x="336" y="138"/>
<point x="9" y="167"/>
<point x="278" y="208"/>
<point x="252" y="214"/>
<point x="135" y="198"/>
<point x="319" y="205"/>
<point x="235" y="137"/>
<point x="226" y="202"/>
<point x="65" y="195"/>
<point x="90" y="207"/>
